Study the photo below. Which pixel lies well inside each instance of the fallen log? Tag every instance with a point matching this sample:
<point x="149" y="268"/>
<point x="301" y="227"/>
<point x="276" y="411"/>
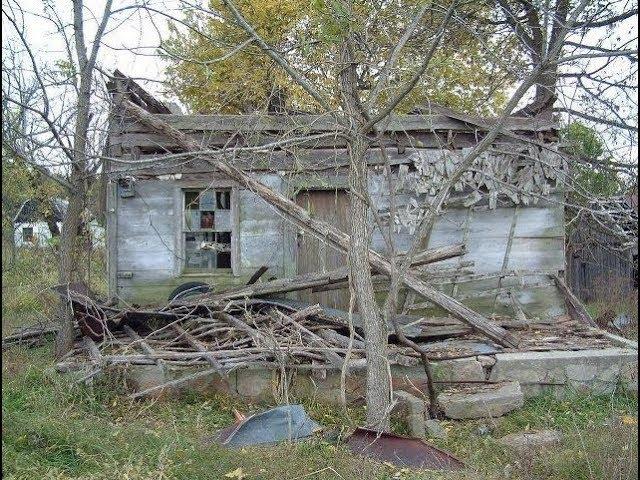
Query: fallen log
<point x="573" y="303"/>
<point x="29" y="333"/>
<point x="323" y="230"/>
<point x="193" y="342"/>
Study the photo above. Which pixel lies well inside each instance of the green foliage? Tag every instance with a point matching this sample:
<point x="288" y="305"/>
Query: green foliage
<point x="211" y="77"/>
<point x="592" y="176"/>
<point x="20" y="182"/>
<point x="27" y="276"/>
<point x="583" y="141"/>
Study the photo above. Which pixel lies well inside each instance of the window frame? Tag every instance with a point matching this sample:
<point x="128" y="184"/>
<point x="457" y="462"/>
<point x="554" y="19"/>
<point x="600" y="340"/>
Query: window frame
<point x="233" y="229"/>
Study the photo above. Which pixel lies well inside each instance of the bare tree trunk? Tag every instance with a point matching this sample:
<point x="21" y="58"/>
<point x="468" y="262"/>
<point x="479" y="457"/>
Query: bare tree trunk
<point x="375" y="330"/>
<point x="378" y="394"/>
<point x="70" y="245"/>
<point x="69" y="270"/>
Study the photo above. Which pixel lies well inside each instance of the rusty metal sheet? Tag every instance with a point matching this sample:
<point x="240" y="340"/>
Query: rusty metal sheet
<point x="401" y="451"/>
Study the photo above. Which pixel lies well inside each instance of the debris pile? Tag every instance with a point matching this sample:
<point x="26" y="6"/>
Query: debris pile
<point x="247" y="326"/>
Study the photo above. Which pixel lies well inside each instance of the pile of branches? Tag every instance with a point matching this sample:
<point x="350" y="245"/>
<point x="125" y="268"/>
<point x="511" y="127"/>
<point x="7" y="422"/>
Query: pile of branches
<point x="226" y="336"/>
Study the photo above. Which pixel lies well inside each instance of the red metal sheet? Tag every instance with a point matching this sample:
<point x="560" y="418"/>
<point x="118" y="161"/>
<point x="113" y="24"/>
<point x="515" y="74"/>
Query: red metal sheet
<point x="401" y="451"/>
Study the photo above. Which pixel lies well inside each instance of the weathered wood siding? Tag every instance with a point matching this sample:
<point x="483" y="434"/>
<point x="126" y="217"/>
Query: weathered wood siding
<point x="595" y="262"/>
<point x="509" y="248"/>
<point x="147" y="239"/>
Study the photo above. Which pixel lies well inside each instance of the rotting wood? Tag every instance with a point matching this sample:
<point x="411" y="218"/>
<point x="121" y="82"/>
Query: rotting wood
<point x="325" y="123"/>
<point x="332" y="356"/>
<point x="27" y="334"/>
<point x="92" y="350"/>
<point x="137" y="339"/>
<point x="575" y="305"/>
<point x="313" y="280"/>
<point x="299" y="216"/>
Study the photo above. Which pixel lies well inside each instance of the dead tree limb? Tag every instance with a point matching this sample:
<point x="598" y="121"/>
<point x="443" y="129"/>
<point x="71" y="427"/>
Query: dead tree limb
<point x="313" y="280"/>
<point x="199" y="346"/>
<point x="331" y="235"/>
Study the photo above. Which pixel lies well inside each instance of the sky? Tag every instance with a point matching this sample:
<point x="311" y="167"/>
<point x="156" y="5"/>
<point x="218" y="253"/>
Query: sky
<point x="134" y="35"/>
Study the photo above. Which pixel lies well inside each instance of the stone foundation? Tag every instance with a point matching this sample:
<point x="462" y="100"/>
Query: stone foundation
<point x="598" y="371"/>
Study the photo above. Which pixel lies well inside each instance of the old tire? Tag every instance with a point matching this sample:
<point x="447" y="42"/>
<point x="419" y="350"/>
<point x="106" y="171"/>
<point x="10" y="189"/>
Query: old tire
<point x="188" y="289"/>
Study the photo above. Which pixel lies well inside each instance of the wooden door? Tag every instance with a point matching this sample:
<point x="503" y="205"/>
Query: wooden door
<point x="313" y="255"/>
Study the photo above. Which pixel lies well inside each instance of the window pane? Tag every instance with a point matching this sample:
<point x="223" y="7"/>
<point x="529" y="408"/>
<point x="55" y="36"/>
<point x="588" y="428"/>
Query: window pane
<point x="192" y="219"/>
<point x="224" y="259"/>
<point x="207" y="200"/>
<point x="223" y="237"/>
<point x="223" y="220"/>
<point x="207" y="220"/>
<point x="223" y="200"/>
<point x="200" y="251"/>
<point x="191" y="200"/>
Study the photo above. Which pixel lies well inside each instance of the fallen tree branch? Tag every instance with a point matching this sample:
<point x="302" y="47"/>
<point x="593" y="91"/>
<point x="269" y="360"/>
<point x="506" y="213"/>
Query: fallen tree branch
<point x="328" y="233"/>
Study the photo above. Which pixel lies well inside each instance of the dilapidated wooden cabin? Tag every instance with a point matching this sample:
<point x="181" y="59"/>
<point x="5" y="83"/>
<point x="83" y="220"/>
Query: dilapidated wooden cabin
<point x="172" y="218"/>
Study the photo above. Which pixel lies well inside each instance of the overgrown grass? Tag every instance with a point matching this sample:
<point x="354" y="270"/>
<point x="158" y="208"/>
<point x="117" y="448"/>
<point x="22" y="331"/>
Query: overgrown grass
<point x="55" y="429"/>
<point x="27" y="276"/>
<point x="52" y="428"/>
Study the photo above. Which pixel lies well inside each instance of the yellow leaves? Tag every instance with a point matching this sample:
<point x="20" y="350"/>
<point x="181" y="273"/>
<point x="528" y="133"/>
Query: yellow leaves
<point x="629" y="420"/>
<point x="238" y="474"/>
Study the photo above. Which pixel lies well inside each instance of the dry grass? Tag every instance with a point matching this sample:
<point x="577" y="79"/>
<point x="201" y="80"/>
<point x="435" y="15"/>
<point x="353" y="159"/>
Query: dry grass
<point x="54" y="429"/>
<point x="612" y="297"/>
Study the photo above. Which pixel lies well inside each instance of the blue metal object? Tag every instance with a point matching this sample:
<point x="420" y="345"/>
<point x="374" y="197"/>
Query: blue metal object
<point x="285" y="423"/>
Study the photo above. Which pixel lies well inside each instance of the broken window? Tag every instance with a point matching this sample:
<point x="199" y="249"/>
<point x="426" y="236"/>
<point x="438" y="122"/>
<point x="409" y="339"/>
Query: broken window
<point x="208" y="232"/>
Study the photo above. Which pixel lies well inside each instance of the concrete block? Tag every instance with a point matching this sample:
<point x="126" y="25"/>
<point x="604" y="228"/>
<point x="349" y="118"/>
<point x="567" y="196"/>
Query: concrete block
<point x="434" y="429"/>
<point x="328" y="390"/>
<point x="597" y="371"/>
<point x="142" y="377"/>
<point x="619" y="341"/>
<point x="487" y="361"/>
<point x="481" y="402"/>
<point x="412" y="409"/>
<point x="532" y="440"/>
<point x="459" y="370"/>
<point x="254" y="383"/>
<point x="407" y="404"/>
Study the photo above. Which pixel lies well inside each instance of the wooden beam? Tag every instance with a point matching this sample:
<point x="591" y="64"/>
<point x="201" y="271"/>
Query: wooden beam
<point x="319" y="280"/>
<point x="258" y="273"/>
<point x="576" y="308"/>
<point x="92" y="350"/>
<point x="330" y="235"/>
<point x="326" y="123"/>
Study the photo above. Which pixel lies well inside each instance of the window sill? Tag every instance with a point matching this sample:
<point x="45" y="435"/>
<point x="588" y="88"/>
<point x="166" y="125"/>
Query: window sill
<point x="220" y="272"/>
